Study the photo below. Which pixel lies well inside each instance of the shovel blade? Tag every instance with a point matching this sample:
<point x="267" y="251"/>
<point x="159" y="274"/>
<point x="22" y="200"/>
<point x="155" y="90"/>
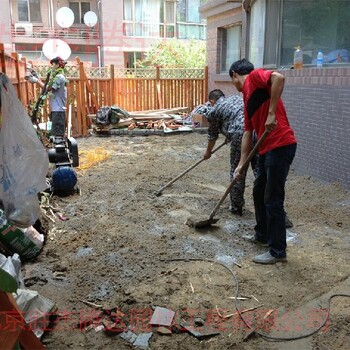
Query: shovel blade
<point x="201" y="223"/>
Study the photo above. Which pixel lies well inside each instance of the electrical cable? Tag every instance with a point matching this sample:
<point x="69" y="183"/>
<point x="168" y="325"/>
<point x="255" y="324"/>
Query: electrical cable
<point x="262" y="334"/>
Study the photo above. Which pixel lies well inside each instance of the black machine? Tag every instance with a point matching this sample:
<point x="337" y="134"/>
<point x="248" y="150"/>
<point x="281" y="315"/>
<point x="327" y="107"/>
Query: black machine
<point x="64" y="154"/>
<point x="64" y="151"/>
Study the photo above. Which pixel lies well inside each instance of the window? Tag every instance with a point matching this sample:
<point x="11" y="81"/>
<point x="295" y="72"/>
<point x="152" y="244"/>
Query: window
<point x="167" y="19"/>
<point x="257" y="30"/>
<point x="79" y="9"/>
<point x="189" y="23"/>
<point x="142" y="18"/>
<point x="230" y="46"/>
<point x="316" y="25"/>
<point x="192" y="11"/>
<point x="130" y="58"/>
<point x="188" y="11"/>
<point x="163" y="18"/>
<point x="29" y="11"/>
<point x="276" y="27"/>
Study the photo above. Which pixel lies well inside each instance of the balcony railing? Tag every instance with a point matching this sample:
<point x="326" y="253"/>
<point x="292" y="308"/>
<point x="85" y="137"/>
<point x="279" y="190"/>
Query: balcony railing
<point x="42" y="32"/>
<point x="191" y="31"/>
<point x="180" y="30"/>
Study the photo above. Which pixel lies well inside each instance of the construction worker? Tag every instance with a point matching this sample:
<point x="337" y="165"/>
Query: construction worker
<point x="264" y="110"/>
<point x="57" y="92"/>
<point x="226" y="117"/>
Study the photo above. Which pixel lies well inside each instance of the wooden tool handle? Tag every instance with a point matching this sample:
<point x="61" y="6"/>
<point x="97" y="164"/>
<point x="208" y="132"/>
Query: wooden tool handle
<point x="245" y="166"/>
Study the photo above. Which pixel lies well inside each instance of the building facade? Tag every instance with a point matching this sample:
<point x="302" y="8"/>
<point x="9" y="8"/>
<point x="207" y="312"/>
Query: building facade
<point x="123" y="31"/>
<point x="316" y="98"/>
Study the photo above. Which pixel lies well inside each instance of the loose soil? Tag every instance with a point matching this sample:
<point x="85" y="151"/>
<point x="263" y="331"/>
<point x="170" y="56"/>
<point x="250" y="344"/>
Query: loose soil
<point x="123" y="247"/>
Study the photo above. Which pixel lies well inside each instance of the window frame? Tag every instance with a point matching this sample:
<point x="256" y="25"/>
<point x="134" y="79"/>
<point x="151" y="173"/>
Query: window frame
<point x="81" y="16"/>
<point x="168" y="26"/>
<point x="273" y="40"/>
<point x="142" y="27"/>
<point x="29" y="10"/>
<point x="223" y="65"/>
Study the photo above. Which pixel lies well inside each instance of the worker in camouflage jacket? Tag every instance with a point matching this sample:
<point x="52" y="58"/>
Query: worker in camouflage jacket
<point x="226" y="117"/>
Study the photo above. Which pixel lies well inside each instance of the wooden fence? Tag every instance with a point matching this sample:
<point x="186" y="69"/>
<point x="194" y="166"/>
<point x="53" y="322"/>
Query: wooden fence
<point x="15" y="70"/>
<point x="130" y="89"/>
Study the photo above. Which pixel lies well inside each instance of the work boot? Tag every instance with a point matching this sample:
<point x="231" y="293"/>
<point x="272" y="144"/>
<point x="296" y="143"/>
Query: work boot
<point x="267" y="258"/>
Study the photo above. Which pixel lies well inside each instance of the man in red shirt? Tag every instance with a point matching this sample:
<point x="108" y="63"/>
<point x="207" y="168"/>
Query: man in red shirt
<point x="264" y="110"/>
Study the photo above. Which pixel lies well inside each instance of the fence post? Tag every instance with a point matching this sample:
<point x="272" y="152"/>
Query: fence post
<point x="19" y="92"/>
<point x="2" y="58"/>
<point x="159" y="93"/>
<point x="112" y="92"/>
<point x="81" y="119"/>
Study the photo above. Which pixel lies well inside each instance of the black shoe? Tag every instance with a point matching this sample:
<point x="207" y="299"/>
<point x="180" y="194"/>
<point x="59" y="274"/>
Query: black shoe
<point x="238" y="211"/>
<point x="287" y="222"/>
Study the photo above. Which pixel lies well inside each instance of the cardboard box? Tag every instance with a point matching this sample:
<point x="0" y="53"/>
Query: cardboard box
<point x="199" y="121"/>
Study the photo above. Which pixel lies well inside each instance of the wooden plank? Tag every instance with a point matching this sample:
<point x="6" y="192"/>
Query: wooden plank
<point x="26" y="337"/>
<point x="111" y="83"/>
<point x="9" y="334"/>
<point x="162" y="111"/>
<point x="80" y="100"/>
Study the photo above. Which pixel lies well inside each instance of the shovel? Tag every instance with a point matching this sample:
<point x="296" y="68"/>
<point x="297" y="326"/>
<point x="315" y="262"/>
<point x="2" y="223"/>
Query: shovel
<point x="211" y="220"/>
<point x="159" y="192"/>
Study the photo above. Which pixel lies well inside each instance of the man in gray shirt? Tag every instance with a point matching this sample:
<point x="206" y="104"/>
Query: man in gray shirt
<point x="57" y="92"/>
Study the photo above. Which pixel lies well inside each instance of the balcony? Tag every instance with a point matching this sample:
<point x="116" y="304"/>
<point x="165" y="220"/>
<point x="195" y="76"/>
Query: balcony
<point x="191" y="31"/>
<point x="180" y="30"/>
<point x="25" y="32"/>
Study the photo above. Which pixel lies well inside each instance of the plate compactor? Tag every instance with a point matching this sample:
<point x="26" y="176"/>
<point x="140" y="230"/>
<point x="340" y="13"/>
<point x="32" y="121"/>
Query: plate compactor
<point x="64" y="155"/>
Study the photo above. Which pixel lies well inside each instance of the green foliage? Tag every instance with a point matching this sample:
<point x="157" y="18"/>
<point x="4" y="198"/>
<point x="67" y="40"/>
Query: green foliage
<point x="176" y="54"/>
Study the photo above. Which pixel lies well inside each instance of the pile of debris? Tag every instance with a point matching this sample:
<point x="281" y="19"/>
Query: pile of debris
<point x="138" y="328"/>
<point x="112" y="120"/>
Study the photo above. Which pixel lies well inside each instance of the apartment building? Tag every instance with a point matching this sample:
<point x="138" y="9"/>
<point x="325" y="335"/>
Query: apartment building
<point x="316" y="98"/>
<point x="268" y="31"/>
<point x="123" y="31"/>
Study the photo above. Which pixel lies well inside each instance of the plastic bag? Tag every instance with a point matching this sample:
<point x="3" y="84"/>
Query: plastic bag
<point x="23" y="160"/>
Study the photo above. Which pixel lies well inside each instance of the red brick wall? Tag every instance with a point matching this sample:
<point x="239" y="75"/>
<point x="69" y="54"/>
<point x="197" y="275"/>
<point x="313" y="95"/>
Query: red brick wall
<point x="318" y="106"/>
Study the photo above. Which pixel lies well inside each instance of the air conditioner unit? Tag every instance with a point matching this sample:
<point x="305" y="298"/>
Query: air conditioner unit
<point x="85" y="35"/>
<point x="25" y="29"/>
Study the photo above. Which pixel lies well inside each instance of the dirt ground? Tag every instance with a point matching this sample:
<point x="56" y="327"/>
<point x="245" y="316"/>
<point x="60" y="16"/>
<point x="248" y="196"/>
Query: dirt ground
<point x="123" y="247"/>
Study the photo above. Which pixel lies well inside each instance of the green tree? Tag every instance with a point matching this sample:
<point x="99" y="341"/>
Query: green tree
<point x="176" y="54"/>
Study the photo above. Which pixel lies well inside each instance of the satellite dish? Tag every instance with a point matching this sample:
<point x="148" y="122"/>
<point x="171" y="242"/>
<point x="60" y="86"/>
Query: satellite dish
<point x="90" y="18"/>
<point x="65" y="17"/>
<point x="56" y="47"/>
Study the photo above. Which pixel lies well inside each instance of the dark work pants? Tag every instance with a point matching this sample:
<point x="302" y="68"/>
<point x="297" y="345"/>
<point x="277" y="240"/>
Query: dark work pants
<point x="58" y="126"/>
<point x="269" y="193"/>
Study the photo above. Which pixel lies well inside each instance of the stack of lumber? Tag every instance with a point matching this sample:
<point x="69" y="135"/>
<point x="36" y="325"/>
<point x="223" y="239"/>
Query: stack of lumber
<point x="150" y="119"/>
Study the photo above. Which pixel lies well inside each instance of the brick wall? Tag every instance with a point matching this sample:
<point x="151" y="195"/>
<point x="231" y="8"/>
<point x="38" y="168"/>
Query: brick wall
<point x="220" y="14"/>
<point x="318" y="106"/>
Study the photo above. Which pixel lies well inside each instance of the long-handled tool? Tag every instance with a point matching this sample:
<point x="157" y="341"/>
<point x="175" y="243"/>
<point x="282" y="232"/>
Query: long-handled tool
<point x="38" y="105"/>
<point x="211" y="220"/>
<point x="159" y="192"/>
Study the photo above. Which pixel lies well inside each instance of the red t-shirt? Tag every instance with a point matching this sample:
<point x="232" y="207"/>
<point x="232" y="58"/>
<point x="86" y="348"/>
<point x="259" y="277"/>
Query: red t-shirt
<point x="256" y="95"/>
